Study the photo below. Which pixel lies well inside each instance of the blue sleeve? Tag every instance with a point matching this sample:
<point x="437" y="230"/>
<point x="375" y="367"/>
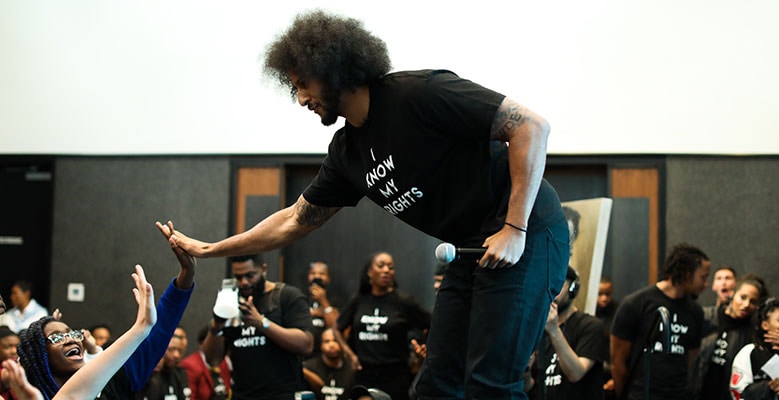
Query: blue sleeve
<point x="170" y="308"/>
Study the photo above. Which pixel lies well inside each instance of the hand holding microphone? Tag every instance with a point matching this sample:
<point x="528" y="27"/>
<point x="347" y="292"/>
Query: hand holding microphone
<point x="503" y="249"/>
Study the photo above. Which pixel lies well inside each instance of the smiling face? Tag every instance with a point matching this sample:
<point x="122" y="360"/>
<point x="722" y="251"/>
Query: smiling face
<point x="65" y="357"/>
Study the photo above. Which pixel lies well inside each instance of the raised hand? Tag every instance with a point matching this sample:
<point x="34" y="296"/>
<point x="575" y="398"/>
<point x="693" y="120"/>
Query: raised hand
<point x="184" y="257"/>
<point x="13" y="375"/>
<point x="186" y="276"/>
<point x="144" y="296"/>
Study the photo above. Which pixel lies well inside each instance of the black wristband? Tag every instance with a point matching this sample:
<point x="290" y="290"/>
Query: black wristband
<point x="519" y="228"/>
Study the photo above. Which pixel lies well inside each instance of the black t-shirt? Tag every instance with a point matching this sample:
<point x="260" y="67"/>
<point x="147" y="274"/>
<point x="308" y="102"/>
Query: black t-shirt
<point x="731" y="335"/>
<point x="166" y="384"/>
<point x="338" y="381"/>
<point x="424" y="155"/>
<point x="586" y="337"/>
<point x="380" y="326"/>
<point x="319" y="324"/>
<point x="261" y="368"/>
<point x="669" y="368"/>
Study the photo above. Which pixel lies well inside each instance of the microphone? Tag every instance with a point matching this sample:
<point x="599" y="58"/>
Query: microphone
<point x="446" y="253"/>
<point x="664" y="317"/>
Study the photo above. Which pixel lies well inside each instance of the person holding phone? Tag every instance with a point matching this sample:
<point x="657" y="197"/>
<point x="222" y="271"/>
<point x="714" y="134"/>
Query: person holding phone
<point x="324" y="313"/>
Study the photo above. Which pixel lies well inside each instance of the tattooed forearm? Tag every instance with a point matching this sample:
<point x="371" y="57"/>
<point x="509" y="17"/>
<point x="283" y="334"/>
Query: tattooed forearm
<point x="311" y="215"/>
<point x="510" y="116"/>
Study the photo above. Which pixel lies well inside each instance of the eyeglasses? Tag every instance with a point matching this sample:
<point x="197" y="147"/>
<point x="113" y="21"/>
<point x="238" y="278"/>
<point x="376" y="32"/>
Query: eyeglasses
<point x="57" y="338"/>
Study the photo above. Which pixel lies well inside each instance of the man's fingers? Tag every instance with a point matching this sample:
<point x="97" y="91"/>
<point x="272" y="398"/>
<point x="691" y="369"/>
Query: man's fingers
<point x="165" y="230"/>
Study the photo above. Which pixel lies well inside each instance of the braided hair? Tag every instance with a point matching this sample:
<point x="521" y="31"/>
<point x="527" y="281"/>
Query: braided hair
<point x="35" y="359"/>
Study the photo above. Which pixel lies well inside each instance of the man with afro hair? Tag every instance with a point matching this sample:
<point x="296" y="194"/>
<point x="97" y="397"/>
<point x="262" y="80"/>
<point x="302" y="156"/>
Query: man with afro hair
<point x="455" y="160"/>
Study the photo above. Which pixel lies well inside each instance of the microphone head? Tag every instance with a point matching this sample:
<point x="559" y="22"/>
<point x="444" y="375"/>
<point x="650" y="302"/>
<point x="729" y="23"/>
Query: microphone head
<point x="445" y="252"/>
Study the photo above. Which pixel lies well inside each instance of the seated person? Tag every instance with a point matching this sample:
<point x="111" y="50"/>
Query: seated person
<point x="331" y="374"/>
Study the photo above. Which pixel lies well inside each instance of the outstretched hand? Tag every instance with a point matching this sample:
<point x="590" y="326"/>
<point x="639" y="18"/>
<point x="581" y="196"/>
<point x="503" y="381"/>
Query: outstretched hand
<point x="186" y="260"/>
<point x="184" y="257"/>
<point x="144" y="296"/>
<point x="13" y="374"/>
<point x="178" y="240"/>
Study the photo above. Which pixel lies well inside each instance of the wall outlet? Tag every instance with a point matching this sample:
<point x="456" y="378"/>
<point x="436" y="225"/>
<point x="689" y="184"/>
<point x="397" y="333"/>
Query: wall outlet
<point x="76" y="292"/>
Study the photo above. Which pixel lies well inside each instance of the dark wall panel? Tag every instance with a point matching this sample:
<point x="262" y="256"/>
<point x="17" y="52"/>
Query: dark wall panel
<point x="627" y="246"/>
<point x="727" y="207"/>
<point x="104" y="214"/>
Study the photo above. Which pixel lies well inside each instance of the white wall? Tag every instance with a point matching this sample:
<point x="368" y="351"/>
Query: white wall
<point x="173" y="77"/>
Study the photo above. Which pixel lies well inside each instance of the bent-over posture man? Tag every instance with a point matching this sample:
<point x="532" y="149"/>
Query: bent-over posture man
<point x="453" y="159"/>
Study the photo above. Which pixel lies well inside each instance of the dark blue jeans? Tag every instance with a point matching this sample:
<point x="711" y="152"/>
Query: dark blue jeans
<point x="487" y="322"/>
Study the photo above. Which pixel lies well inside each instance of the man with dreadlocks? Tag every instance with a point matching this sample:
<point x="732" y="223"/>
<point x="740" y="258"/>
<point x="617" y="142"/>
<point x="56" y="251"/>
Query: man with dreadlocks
<point x="52" y="353"/>
<point x="455" y="160"/>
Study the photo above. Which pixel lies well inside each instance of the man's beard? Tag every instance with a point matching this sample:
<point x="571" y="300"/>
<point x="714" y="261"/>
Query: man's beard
<point x="331" y="101"/>
<point x="255" y="290"/>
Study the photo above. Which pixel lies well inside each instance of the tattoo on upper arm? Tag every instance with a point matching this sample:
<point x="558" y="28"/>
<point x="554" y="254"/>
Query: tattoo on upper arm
<point x="311" y="215"/>
<point x="510" y="116"/>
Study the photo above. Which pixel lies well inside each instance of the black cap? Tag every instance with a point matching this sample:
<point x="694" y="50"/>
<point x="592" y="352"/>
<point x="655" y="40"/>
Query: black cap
<point x="357" y="391"/>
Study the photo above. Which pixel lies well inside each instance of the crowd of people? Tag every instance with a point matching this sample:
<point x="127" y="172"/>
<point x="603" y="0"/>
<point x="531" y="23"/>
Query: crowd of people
<point x="504" y="324"/>
<point x="372" y="343"/>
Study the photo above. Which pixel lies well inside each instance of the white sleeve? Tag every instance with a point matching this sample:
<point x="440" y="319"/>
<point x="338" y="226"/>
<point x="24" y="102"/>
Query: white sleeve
<point x="89" y="357"/>
<point x="741" y="373"/>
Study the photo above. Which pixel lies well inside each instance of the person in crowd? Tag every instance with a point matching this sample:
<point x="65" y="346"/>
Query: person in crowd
<point x="749" y="381"/>
<point x="682" y="278"/>
<point x="206" y="381"/>
<point x="168" y="379"/>
<point x="25" y="308"/>
<point x="606" y="308"/>
<point x="324" y="313"/>
<point x="181" y="334"/>
<point x="331" y="374"/>
<point x="413" y="141"/>
<point x="734" y="330"/>
<point x="570" y="356"/>
<point x="52" y="353"/>
<point x="102" y="335"/>
<point x="379" y="318"/>
<point x="438" y="277"/>
<point x="273" y="335"/>
<point x="723" y="286"/>
<point x="8" y="342"/>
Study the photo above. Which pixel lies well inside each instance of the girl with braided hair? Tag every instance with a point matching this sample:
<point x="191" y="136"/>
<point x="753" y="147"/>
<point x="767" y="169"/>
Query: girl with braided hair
<point x="52" y="353"/>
